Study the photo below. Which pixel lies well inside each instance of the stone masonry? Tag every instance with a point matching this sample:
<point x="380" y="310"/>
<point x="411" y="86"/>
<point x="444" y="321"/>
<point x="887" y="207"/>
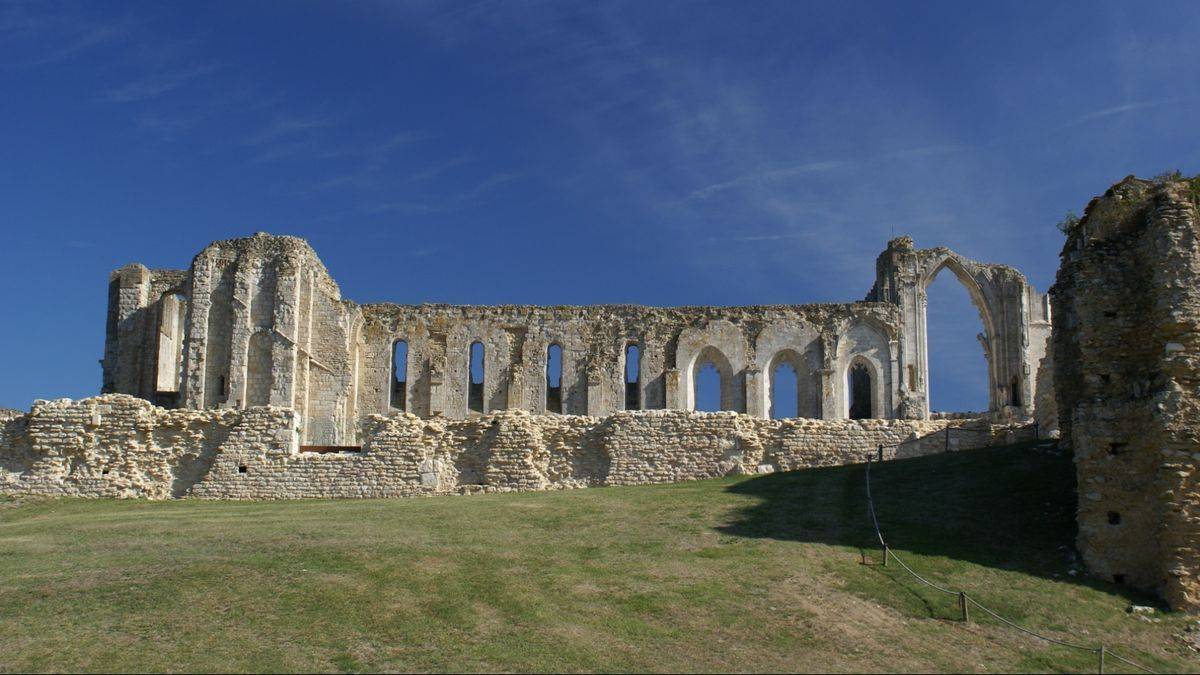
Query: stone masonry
<point x="1126" y="360"/>
<point x="259" y="321"/>
<point x="248" y="376"/>
<point x="121" y="446"/>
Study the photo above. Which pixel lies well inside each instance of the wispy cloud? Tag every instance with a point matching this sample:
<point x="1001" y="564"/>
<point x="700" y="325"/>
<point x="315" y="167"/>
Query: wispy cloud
<point x="287" y="126"/>
<point x="155" y="85"/>
<point x="439" y="168"/>
<point x="70" y="37"/>
<point x="1116" y="110"/>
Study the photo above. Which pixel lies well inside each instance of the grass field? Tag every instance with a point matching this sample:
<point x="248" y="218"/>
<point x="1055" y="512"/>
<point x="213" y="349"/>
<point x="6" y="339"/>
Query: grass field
<point x="752" y="574"/>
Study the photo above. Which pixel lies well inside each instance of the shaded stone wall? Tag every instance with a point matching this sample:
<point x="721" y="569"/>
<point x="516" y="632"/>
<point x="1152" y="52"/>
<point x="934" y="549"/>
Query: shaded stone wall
<point x="122" y="446"/>
<point x="1127" y="366"/>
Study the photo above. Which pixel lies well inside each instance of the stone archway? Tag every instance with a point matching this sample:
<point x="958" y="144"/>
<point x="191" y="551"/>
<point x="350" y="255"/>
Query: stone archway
<point x="954" y="264"/>
<point x="1015" y="319"/>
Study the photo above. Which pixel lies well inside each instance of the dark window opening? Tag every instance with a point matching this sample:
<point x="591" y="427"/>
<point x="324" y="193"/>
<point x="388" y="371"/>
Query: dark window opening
<point x="242" y="469"/>
<point x="1118" y="578"/>
<point x="475" y="379"/>
<point x="1014" y="392"/>
<point x="708" y="388"/>
<point x="785" y="392"/>
<point x="860" y="392"/>
<point x="400" y="375"/>
<point x="633" y="378"/>
<point x="223" y="387"/>
<point x="554" y="379"/>
<point x="1116" y="448"/>
<point x="1114" y="518"/>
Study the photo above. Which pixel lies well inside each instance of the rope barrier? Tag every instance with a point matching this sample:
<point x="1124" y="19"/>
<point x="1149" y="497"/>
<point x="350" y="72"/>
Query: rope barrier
<point x="965" y="600"/>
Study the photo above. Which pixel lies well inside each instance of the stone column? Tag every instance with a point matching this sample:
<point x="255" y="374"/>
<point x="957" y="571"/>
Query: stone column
<point x="674" y="391"/>
<point x="284" y="355"/>
<point x="133" y="297"/>
<point x="757" y="404"/>
<point x="243" y="284"/>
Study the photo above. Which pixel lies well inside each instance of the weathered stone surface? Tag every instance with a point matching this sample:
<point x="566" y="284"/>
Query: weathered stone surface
<point x="1127" y="366"/>
<point x="120" y="446"/>
<point x="259" y="321"/>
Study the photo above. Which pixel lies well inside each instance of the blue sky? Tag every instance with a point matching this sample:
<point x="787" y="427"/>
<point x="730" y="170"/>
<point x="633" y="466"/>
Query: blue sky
<point x="550" y="152"/>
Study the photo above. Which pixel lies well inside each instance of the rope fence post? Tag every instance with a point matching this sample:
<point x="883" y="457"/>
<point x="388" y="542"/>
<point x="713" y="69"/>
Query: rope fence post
<point x="964" y="601"/>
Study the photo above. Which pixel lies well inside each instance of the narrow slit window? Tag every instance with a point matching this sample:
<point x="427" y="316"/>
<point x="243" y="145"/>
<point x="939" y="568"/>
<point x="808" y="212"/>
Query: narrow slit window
<point x="400" y="375"/>
<point x="475" y="378"/>
<point x="1015" y="392"/>
<point x="554" y="379"/>
<point x="633" y="378"/>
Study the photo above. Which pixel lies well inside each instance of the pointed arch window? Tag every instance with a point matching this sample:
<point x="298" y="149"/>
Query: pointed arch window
<point x="554" y="366"/>
<point x="475" y="377"/>
<point x="400" y="375"/>
<point x="633" y="377"/>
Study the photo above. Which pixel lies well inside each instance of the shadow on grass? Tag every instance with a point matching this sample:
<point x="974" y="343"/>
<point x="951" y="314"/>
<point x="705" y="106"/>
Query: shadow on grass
<point x="1009" y="508"/>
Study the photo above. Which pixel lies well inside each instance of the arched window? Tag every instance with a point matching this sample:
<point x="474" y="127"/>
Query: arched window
<point x="858" y="380"/>
<point x="958" y="367"/>
<point x="1014" y="392"/>
<point x="708" y="387"/>
<point x="633" y="377"/>
<point x="400" y="375"/>
<point x="554" y="379"/>
<point x="785" y="391"/>
<point x="475" y="378"/>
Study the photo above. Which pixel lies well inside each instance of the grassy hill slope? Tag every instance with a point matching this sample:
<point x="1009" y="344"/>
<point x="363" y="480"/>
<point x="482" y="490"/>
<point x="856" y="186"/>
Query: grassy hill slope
<point x="752" y="574"/>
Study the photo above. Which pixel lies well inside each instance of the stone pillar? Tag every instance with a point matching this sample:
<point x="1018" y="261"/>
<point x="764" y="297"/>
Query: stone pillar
<point x="195" y="356"/>
<point x="829" y="403"/>
<point x="757" y="403"/>
<point x="595" y="395"/>
<point x="243" y="286"/>
<point x="284" y="355"/>
<point x="131" y="301"/>
<point x="674" y="390"/>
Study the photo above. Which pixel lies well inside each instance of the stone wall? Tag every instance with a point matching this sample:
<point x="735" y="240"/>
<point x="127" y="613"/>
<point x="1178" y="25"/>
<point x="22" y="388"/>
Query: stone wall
<point x="121" y="446"/>
<point x="1126" y="359"/>
<point x="260" y="321"/>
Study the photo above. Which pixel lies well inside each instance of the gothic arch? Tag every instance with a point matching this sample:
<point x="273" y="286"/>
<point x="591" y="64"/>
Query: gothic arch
<point x="724" y="344"/>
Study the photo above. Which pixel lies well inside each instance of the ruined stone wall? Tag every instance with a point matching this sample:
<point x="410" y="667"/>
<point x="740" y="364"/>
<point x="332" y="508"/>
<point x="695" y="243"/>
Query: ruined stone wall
<point x="122" y="446"/>
<point x="1015" y="319"/>
<point x="1126" y="353"/>
<point x="259" y="321"/>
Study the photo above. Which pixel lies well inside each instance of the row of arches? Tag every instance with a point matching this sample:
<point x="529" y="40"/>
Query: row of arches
<point x="785" y="389"/>
<point x="476" y="374"/>
<point x="789" y="393"/>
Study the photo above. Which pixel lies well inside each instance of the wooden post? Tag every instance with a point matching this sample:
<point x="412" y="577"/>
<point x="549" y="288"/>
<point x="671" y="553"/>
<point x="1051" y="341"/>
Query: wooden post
<point x="962" y="604"/>
<point x="1101" y="659"/>
<point x="885" y="556"/>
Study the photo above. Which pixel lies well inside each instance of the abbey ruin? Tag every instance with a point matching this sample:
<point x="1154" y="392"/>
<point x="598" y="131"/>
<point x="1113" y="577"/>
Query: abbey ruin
<point x="248" y="376"/>
<point x="259" y="321"/>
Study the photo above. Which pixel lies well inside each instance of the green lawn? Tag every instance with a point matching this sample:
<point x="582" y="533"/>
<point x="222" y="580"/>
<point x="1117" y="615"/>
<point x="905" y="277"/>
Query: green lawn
<point x="748" y="574"/>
